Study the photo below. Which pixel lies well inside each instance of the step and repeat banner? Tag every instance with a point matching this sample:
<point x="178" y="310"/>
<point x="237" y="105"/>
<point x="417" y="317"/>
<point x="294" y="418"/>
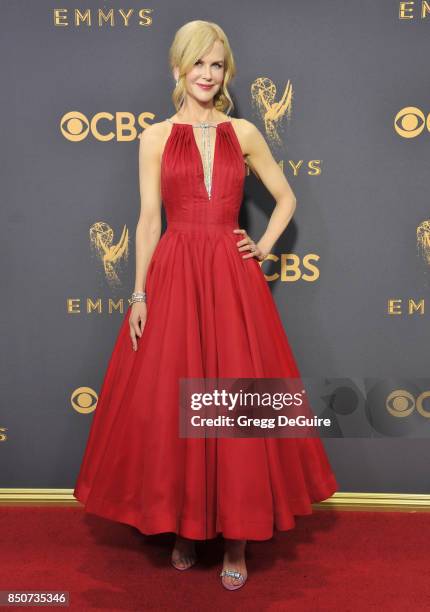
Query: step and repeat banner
<point x="339" y="90"/>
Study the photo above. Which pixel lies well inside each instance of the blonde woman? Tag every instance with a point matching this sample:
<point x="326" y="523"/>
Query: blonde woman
<point x="200" y="308"/>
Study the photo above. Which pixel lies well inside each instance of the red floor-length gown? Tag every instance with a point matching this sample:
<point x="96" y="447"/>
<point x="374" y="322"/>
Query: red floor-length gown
<point x="210" y="313"/>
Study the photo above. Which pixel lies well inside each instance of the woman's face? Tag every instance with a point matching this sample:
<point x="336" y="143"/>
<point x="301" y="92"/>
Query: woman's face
<point x="207" y="70"/>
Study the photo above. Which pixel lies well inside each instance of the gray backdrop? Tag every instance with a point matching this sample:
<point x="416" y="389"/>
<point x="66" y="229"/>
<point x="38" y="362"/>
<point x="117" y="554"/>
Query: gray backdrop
<point x="352" y="66"/>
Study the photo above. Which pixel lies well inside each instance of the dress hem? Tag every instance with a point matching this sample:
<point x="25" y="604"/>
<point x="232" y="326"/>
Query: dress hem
<point x="191" y="528"/>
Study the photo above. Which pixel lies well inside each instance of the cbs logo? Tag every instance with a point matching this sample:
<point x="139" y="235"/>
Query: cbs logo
<point x="84" y="400"/>
<point x="410" y="122"/>
<point x="291" y="267"/>
<point x="122" y="126"/>
<point x="401" y="403"/>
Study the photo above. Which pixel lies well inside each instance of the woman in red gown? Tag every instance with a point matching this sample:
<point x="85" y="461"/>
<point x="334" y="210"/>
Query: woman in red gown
<point x="201" y="308"/>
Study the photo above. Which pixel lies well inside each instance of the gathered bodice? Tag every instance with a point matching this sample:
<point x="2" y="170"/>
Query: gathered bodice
<point x="183" y="190"/>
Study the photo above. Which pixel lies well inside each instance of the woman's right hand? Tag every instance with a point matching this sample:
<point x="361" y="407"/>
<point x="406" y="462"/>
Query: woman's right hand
<point x="137" y="322"/>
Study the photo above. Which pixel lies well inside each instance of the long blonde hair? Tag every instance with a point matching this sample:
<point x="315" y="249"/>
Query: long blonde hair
<point x="193" y="40"/>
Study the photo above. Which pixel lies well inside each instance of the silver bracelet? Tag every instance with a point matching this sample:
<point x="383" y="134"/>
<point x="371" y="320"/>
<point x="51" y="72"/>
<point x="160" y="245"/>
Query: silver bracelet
<point x="138" y="296"/>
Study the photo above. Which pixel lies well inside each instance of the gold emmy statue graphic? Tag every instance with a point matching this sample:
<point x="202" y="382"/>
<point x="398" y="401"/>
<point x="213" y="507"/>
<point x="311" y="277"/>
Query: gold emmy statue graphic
<point x="263" y="94"/>
<point x="112" y="255"/>
<point x="423" y="243"/>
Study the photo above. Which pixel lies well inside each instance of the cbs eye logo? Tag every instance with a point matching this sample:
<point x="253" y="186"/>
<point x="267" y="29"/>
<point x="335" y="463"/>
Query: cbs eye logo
<point x="74" y="126"/>
<point x="410" y="122"/>
<point x="400" y="403"/>
<point x="122" y="126"/>
<point x="84" y="400"/>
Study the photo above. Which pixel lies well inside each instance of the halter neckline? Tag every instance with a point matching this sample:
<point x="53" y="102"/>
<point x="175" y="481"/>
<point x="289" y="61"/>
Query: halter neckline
<point x="199" y="124"/>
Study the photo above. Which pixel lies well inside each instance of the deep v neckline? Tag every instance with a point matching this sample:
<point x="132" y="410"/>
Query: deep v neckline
<point x="200" y="158"/>
<point x="190" y="128"/>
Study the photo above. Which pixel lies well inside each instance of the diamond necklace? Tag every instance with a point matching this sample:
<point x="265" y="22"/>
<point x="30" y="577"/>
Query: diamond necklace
<point x="206" y="153"/>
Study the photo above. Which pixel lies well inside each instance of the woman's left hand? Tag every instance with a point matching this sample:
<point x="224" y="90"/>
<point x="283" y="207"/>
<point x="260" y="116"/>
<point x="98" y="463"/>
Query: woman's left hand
<point x="247" y="244"/>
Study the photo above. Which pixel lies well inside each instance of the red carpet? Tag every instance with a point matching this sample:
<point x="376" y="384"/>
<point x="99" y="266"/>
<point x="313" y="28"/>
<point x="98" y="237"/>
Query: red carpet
<point x="330" y="561"/>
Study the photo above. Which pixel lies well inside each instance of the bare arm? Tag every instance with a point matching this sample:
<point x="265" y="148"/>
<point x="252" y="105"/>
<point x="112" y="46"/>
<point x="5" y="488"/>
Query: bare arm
<point x="267" y="169"/>
<point x="148" y="229"/>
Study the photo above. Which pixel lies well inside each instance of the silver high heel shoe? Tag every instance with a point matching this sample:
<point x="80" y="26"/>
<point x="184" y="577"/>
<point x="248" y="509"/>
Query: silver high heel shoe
<point x="233" y="574"/>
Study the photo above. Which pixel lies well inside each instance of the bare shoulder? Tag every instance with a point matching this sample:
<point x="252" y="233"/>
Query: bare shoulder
<point x="245" y="126"/>
<point x="153" y="137"/>
<point x="248" y="134"/>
